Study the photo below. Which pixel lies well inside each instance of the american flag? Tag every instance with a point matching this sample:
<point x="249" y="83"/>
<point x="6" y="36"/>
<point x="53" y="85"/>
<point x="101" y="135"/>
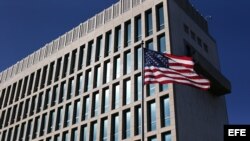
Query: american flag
<point x="165" y="68"/>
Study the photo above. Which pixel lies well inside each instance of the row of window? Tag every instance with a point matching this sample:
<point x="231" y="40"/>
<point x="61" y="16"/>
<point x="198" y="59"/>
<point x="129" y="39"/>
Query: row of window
<point x="80" y="58"/>
<point x="101" y="72"/>
<point x="195" y="38"/>
<point x="81" y="109"/>
<point x="110" y="98"/>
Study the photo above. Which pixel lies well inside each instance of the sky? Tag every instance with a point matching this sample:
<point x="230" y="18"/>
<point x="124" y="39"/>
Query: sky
<point x="27" y="25"/>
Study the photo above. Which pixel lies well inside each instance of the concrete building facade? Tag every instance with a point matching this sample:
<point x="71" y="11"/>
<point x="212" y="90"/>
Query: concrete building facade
<point x="87" y="84"/>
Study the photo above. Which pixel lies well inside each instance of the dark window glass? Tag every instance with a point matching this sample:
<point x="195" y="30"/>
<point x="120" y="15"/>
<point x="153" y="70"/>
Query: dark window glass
<point x="90" y="53"/>
<point x="118" y="38"/>
<point x="127" y="96"/>
<point x="149" y="23"/>
<point x="108" y="43"/>
<point x="166" y="137"/>
<point x="127" y="125"/>
<point x="117" y="69"/>
<point x="138" y="120"/>
<point x="138" y="30"/>
<point x="127" y="33"/>
<point x="127" y="62"/>
<point x="115" y="128"/>
<point x="160" y="17"/>
<point x="98" y="48"/>
<point x="165" y="111"/>
<point x="138" y="87"/>
<point x="161" y="43"/>
<point x="152" y="116"/>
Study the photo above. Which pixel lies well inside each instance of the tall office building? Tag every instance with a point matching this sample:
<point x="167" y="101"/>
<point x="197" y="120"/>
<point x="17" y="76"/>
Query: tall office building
<point x="87" y="84"/>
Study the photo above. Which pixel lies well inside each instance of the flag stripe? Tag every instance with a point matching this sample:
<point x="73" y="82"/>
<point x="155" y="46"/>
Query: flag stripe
<point x="166" y="68"/>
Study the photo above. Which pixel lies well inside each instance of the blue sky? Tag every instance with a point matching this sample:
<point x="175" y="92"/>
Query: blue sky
<point x="27" y="25"/>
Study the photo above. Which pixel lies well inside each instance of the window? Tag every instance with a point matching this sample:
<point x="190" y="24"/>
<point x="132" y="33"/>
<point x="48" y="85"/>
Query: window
<point x="37" y="125"/>
<point x="28" y="133"/>
<point x="105" y="99"/>
<point x="98" y="48"/>
<point x="68" y="113"/>
<point x="106" y="75"/>
<point x="51" y="71"/>
<point x="93" y="136"/>
<point x="47" y="99"/>
<point x="54" y="95"/>
<point x="165" y="112"/>
<point x="88" y="82"/>
<point x="57" y="137"/>
<point x="58" y="68"/>
<point x="138" y="87"/>
<point x="17" y="94"/>
<point x="43" y="125"/>
<point x="150" y="45"/>
<point x="62" y="92"/>
<point x="166" y="137"/>
<point x="59" y="118"/>
<point x="127" y="62"/>
<point x="81" y="57"/>
<point x="32" y="107"/>
<point x="163" y="87"/>
<point x="65" y="65"/>
<point x="24" y="87"/>
<point x="79" y="84"/>
<point x="84" y="133"/>
<point x="138" y="120"/>
<point x="97" y="77"/>
<point x="127" y="33"/>
<point x="30" y="84"/>
<point x="104" y="131"/>
<point x="117" y="69"/>
<point x="138" y="32"/>
<point x="127" y="96"/>
<point x="71" y="86"/>
<point x="66" y="136"/>
<point x="160" y="17"/>
<point x="21" y="133"/>
<point x="90" y="53"/>
<point x="16" y="133"/>
<point x="96" y="104"/>
<point x="74" y="135"/>
<point x="151" y="89"/>
<point x="73" y="61"/>
<point x="118" y="38"/>
<point x="108" y="44"/>
<point x="26" y="107"/>
<point x="126" y="125"/>
<point x="152" y="138"/>
<point x="85" y="108"/>
<point x="115" y="128"/>
<point x="116" y="96"/>
<point x="161" y="43"/>
<point x="76" y="115"/>
<point x="149" y="23"/>
<point x="51" y="121"/>
<point x="36" y="81"/>
<point x="138" y="58"/>
<point x="9" y="134"/>
<point x="152" y="116"/>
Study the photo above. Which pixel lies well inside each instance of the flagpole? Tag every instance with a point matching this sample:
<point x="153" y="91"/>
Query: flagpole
<point x="142" y="97"/>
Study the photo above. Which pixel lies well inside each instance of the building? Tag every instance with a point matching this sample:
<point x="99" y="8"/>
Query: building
<point x="86" y="85"/>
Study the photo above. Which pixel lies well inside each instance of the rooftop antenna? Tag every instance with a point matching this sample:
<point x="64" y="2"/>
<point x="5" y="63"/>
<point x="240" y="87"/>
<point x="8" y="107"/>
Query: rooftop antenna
<point x="208" y="17"/>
